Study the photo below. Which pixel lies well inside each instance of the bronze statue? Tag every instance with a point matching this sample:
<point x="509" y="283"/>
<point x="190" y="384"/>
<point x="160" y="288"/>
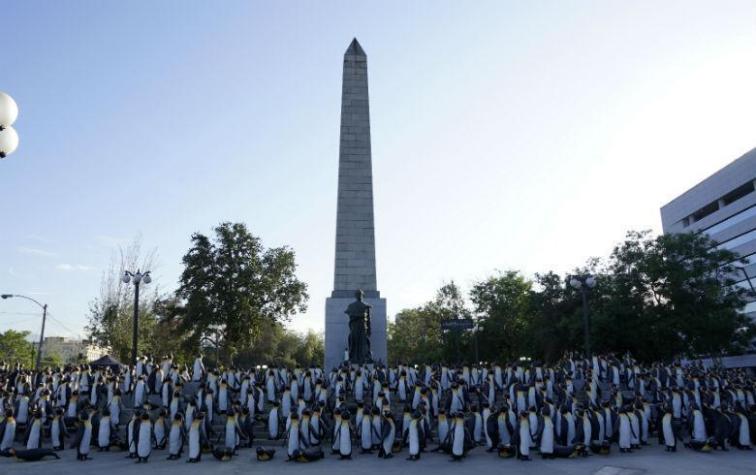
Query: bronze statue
<point x="359" y="330"/>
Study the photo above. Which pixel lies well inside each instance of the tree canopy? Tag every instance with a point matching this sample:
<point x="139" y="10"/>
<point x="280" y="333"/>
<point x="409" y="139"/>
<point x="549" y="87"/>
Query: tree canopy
<point x="231" y="286"/>
<point x="15" y="347"/>
<point x="656" y="296"/>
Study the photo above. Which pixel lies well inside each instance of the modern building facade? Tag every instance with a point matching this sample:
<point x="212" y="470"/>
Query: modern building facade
<point x="724" y="207"/>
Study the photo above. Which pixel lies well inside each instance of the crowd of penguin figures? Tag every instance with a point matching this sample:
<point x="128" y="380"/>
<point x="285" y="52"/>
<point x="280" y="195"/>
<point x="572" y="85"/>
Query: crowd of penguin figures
<point x="576" y="407"/>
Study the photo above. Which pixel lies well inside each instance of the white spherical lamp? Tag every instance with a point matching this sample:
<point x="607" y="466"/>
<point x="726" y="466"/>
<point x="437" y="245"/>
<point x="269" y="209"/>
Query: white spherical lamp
<point x="8" y="141"/>
<point x="8" y="110"/>
<point x="575" y="283"/>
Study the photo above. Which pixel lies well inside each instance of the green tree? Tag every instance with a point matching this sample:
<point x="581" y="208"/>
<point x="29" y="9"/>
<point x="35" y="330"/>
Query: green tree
<point x="679" y="290"/>
<point x="51" y="360"/>
<point x="15" y="348"/>
<point x="276" y="345"/>
<point x="232" y="285"/>
<point x="504" y="311"/>
<point x="415" y="335"/>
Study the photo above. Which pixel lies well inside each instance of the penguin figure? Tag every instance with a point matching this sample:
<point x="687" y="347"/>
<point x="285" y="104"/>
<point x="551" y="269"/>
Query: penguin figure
<point x="625" y="432"/>
<point x="376" y="427"/>
<point x="412" y="437"/>
<point x="388" y="436"/>
<point x="83" y="437"/>
<point x="460" y="437"/>
<point x="158" y="429"/>
<point x="525" y="439"/>
<point x="131" y="434"/>
<point x="273" y="422"/>
<point x="247" y="426"/>
<point x="546" y="444"/>
<point x="176" y="438"/>
<point x="443" y="427"/>
<point x="345" y="437"/>
<point x="144" y="438"/>
<point x="366" y="434"/>
<point x="195" y="440"/>
<point x="667" y="431"/>
<point x="32" y="455"/>
<point x="264" y="455"/>
<point x="232" y="432"/>
<point x="58" y="430"/>
<point x="336" y="431"/>
<point x="293" y="437"/>
<point x="103" y="431"/>
<point x="744" y="429"/>
<point x="115" y="405"/>
<point x="33" y="436"/>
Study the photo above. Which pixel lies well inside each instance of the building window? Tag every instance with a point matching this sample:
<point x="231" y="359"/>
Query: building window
<point x="731" y="221"/>
<point x="705" y="211"/>
<point x="738" y="193"/>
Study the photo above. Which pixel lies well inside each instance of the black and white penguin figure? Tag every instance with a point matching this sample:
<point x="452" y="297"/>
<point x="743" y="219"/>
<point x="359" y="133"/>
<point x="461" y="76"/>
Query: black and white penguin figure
<point x="195" y="439"/>
<point x="624" y="431"/>
<point x="33" y="436"/>
<point x="376" y="427"/>
<point x="336" y="431"/>
<point x="32" y="455"/>
<point x="743" y="436"/>
<point x="442" y="428"/>
<point x="366" y="434"/>
<point x="524" y="437"/>
<point x="58" y="430"/>
<point x="176" y="437"/>
<point x="460" y="437"/>
<point x="698" y="435"/>
<point x="83" y="437"/>
<point x="232" y="433"/>
<point x="388" y="436"/>
<point x="412" y="437"/>
<point x="159" y="430"/>
<point x="131" y="434"/>
<point x="115" y="405"/>
<point x="274" y="422"/>
<point x="345" y="436"/>
<point x="247" y="426"/>
<point x="546" y="442"/>
<point x="722" y="428"/>
<point x="293" y="437"/>
<point x="144" y="438"/>
<point x="103" y="431"/>
<point x="667" y="431"/>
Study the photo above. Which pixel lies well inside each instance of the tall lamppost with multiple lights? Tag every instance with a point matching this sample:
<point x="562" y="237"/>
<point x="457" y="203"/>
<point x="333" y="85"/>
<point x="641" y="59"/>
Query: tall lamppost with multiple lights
<point x="137" y="278"/>
<point x="584" y="283"/>
<point x="8" y="115"/>
<point x="44" y="319"/>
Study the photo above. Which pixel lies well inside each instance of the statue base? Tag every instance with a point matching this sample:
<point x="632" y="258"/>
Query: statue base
<point x="337" y="330"/>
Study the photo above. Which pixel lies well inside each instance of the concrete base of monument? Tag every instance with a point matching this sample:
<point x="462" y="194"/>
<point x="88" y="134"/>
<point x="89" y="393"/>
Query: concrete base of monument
<point x="337" y="330"/>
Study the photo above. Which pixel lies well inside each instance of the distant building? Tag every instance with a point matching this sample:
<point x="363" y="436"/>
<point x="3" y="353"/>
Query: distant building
<point x="724" y="207"/>
<point x="69" y="349"/>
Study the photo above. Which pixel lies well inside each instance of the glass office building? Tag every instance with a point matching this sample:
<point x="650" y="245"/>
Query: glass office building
<point x="723" y="206"/>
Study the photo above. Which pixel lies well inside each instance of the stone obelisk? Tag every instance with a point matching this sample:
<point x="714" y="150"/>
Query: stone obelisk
<point x="355" y="229"/>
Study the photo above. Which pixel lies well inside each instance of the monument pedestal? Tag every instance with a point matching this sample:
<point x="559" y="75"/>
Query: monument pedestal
<point x="337" y="330"/>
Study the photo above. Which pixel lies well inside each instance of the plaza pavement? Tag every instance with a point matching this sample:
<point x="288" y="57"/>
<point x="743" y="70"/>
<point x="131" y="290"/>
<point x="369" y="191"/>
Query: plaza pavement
<point x="650" y="460"/>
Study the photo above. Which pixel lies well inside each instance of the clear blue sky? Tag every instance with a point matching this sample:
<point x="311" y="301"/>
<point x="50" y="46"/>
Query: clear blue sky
<point x="506" y="134"/>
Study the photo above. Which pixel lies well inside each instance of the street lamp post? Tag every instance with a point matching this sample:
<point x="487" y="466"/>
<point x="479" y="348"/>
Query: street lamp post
<point x="137" y="278"/>
<point x="8" y="115"/>
<point x="44" y="319"/>
<point x="583" y="283"/>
